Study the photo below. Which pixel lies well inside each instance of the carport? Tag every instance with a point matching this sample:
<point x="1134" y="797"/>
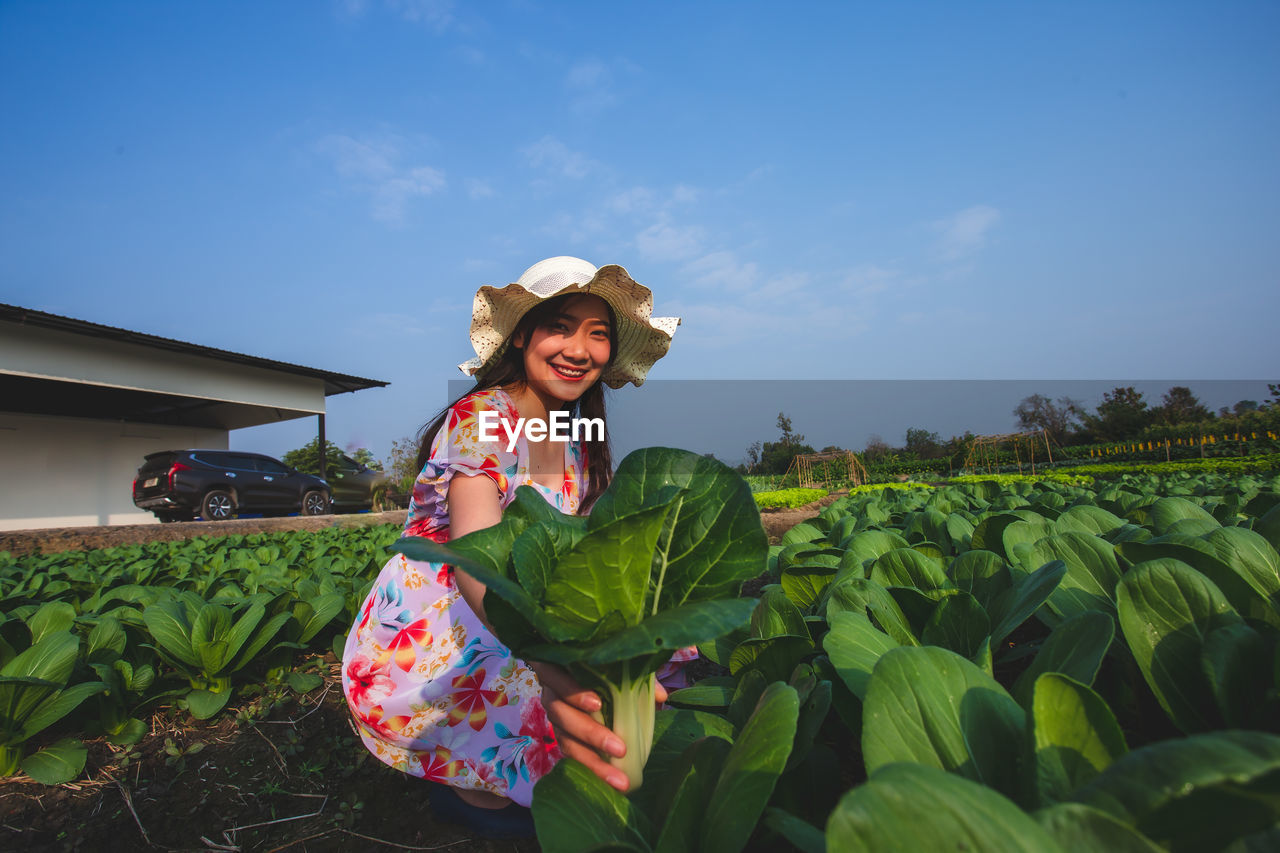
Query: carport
<point x="81" y="404"/>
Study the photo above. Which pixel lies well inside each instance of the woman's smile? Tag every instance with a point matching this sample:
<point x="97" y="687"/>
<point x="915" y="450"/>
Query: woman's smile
<point x="566" y="354"/>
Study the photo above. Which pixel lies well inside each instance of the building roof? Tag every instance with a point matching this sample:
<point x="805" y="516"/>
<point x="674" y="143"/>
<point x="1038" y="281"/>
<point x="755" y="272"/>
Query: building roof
<point x="334" y="383"/>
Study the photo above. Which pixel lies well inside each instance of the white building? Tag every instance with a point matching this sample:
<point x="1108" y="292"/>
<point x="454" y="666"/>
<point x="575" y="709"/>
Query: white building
<point x="81" y="404"/>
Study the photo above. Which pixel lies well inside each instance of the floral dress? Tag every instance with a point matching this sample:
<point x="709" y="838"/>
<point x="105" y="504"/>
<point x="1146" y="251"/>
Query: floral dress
<point x="433" y="692"/>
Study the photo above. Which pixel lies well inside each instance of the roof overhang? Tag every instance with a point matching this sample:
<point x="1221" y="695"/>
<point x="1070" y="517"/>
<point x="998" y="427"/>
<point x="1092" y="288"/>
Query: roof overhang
<point x="55" y="365"/>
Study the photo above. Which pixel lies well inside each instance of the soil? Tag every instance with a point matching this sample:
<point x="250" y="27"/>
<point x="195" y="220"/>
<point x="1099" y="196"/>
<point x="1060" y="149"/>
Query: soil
<point x="276" y="772"/>
<point x="779" y="521"/>
<point x="296" y="778"/>
<point x="18" y="542"/>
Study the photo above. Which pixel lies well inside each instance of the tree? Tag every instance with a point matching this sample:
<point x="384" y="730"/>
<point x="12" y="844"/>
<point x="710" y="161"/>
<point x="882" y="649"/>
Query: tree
<point x="877" y="448"/>
<point x="776" y="456"/>
<point x="1121" y="414"/>
<point x="1055" y="418"/>
<point x="923" y="443"/>
<point x="307" y="459"/>
<point x="788" y="437"/>
<point x="365" y="457"/>
<point x="753" y="455"/>
<point x="1243" y="406"/>
<point x="403" y="465"/>
<point x="1180" y="406"/>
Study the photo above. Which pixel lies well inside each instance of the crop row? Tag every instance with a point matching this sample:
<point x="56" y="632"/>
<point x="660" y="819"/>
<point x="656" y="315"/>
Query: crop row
<point x="981" y="666"/>
<point x="91" y="641"/>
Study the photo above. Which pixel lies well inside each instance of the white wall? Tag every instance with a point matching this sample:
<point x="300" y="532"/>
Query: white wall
<point x="52" y="354"/>
<point x="77" y="472"/>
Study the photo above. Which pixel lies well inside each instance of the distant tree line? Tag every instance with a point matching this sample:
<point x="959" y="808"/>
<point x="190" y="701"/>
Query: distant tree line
<point x="1122" y="415"/>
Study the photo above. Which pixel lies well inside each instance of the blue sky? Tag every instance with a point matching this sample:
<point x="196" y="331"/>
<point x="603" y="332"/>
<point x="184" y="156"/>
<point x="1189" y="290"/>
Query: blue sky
<point x="821" y="190"/>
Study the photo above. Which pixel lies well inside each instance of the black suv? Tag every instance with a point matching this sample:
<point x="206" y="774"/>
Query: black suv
<point x="216" y="484"/>
<point x="354" y="485"/>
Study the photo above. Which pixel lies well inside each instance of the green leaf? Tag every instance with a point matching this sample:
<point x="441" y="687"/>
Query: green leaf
<point x="53" y="765"/>
<point x="777" y="615"/>
<point x="1080" y="827"/>
<point x="106" y="640"/>
<point x="1164" y="512"/>
<point x="167" y="622"/>
<point x="1074" y="648"/>
<point x="860" y="595"/>
<point x="802" y="533"/>
<point x="801" y="834"/>
<point x="866" y="547"/>
<point x="51" y="659"/>
<point x="716" y="539"/>
<point x="58" y="706"/>
<point x="304" y="682"/>
<point x="908" y="567"/>
<point x="53" y="617"/>
<point x="1232" y="657"/>
<point x="854" y="646"/>
<point x="751" y="771"/>
<point x="1075" y="736"/>
<point x="989" y="534"/>
<point x="205" y="704"/>
<point x="1251" y="557"/>
<point x="1167" y="609"/>
<point x="805" y="584"/>
<point x="933" y="707"/>
<point x="982" y="574"/>
<point x="574" y="810"/>
<point x="1194" y="793"/>
<point x="911" y="807"/>
<point x="1018" y="604"/>
<point x="690" y="785"/>
<point x="1091" y="577"/>
<point x="1086" y="518"/>
<point x="958" y="623"/>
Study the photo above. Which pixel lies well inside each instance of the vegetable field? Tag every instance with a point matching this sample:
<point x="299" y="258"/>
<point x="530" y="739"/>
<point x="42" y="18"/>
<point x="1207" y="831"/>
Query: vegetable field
<point x="1005" y="665"/>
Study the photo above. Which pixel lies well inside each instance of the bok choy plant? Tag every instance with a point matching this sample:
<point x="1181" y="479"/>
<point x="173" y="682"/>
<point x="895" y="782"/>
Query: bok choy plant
<point x="656" y="567"/>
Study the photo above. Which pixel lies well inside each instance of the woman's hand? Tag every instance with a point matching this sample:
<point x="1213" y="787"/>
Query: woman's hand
<point x="569" y="708"/>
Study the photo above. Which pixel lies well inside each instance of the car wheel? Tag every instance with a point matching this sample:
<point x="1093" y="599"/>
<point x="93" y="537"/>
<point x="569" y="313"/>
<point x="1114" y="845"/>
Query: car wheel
<point x="315" y="503"/>
<point x="218" y="505"/>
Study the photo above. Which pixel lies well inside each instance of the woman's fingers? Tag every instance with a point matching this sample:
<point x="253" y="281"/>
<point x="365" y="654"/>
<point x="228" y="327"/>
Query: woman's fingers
<point x="584" y="739"/>
<point x="659" y="692"/>
<point x="566" y="687"/>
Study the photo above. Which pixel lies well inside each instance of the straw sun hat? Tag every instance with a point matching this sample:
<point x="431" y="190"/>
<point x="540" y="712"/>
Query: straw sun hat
<point x="642" y="339"/>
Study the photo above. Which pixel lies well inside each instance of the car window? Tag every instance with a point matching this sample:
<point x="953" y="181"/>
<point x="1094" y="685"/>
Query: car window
<point x="271" y="466"/>
<point x="233" y="461"/>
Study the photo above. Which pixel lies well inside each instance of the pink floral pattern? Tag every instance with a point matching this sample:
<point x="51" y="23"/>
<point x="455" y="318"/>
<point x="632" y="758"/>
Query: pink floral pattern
<point x="432" y="691"/>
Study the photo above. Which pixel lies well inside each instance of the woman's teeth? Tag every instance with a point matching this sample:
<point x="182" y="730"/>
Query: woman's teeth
<point x="568" y="371"/>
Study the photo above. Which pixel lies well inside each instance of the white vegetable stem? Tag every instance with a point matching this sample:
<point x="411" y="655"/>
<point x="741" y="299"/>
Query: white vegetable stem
<point x="632" y="706"/>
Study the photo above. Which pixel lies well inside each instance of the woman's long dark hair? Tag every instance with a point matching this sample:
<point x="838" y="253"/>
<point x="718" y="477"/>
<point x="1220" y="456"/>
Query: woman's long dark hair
<point x="509" y="373"/>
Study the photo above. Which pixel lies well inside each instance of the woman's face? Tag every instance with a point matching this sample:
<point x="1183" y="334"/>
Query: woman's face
<point x="567" y="352"/>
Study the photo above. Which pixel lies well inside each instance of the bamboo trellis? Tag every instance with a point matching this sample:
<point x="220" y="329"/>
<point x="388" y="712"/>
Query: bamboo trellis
<point x="984" y="452"/>
<point x="835" y="466"/>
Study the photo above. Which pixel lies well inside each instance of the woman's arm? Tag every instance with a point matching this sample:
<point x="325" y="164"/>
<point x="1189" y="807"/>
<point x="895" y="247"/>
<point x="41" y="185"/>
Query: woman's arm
<point x="474" y="505"/>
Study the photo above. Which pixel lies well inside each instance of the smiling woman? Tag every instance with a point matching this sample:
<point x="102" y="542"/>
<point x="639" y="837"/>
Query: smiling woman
<point x="433" y="692"/>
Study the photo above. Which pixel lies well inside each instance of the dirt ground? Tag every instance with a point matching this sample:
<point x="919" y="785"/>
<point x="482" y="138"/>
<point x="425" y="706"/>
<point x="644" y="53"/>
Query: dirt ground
<point x="19" y="542"/>
<point x="276" y="772"/>
<point x="296" y="778"/>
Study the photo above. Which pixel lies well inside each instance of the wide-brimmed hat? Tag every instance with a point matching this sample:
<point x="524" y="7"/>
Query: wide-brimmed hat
<point x="642" y="339"/>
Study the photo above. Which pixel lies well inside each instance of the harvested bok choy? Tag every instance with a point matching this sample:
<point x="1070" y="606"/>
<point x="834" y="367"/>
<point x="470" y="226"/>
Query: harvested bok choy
<point x="656" y="567"/>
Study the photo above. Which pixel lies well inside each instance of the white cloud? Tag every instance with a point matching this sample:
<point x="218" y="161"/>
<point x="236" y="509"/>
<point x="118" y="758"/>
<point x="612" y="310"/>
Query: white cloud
<point x="665" y="242"/>
<point x="478" y="189"/>
<point x="371" y="166"/>
<point x="554" y="156"/>
<point x="965" y="232"/>
<point x="590" y="85"/>
<point x="435" y="14"/>
<point x="723" y="269"/>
